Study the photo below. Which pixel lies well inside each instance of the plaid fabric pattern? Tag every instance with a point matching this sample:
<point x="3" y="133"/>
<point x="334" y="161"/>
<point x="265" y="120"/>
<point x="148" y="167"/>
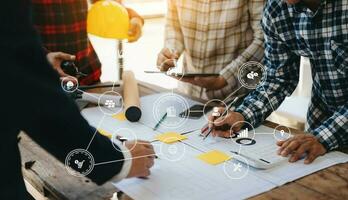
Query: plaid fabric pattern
<point x="292" y="31"/>
<point x="62" y="26"/>
<point x="215" y="36"/>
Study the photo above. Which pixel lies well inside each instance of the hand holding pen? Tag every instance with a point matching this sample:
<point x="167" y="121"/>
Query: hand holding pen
<point x="167" y="59"/>
<point x="219" y="124"/>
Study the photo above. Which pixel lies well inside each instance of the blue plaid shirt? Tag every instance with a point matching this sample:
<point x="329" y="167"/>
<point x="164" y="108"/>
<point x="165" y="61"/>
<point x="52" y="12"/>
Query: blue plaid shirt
<point x="292" y="31"/>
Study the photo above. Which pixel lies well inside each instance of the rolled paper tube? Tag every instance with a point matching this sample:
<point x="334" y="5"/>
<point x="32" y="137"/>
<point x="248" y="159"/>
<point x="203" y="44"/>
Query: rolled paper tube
<point x="131" y="97"/>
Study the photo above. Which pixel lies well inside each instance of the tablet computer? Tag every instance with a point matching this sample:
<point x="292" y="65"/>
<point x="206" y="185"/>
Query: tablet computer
<point x="188" y="74"/>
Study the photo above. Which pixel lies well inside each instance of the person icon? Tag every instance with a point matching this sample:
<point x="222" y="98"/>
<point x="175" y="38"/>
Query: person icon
<point x="69" y="85"/>
<point x="216" y="112"/>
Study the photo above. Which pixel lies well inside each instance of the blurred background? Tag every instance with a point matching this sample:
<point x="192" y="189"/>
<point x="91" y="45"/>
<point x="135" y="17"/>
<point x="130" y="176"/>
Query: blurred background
<point x="141" y="55"/>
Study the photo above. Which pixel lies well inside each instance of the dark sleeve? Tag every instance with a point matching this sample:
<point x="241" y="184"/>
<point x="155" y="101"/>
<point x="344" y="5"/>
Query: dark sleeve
<point x="36" y="103"/>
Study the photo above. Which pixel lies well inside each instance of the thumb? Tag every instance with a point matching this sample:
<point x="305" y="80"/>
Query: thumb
<point x="65" y="56"/>
<point x="175" y="55"/>
<point x="131" y="31"/>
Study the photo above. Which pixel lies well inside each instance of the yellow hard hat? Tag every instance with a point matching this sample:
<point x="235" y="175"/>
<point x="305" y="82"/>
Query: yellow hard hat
<point x="108" y="19"/>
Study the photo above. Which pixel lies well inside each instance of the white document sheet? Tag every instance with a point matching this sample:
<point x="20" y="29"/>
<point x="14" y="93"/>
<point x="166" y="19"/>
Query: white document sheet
<point x="191" y="178"/>
<point x="287" y="172"/>
<point x="98" y="118"/>
<point x="148" y="118"/>
<point x="280" y="174"/>
<point x="125" y="128"/>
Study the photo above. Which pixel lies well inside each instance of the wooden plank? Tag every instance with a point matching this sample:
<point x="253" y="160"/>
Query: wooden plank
<point x="48" y="175"/>
<point x="332" y="181"/>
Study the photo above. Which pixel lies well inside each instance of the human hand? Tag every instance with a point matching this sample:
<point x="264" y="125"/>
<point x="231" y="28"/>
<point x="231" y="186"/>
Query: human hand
<point x="56" y="58"/>
<point x="166" y="59"/>
<point x="227" y="120"/>
<point x="135" y="29"/>
<point x="210" y="83"/>
<point x="143" y="156"/>
<point x="300" y="145"/>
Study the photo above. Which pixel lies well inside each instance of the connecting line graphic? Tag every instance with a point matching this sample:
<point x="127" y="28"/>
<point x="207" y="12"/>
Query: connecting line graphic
<point x="268" y="98"/>
<point x="230" y="95"/>
<point x="154" y="142"/>
<point x="239" y="149"/>
<point x="95" y="132"/>
<point x="120" y="160"/>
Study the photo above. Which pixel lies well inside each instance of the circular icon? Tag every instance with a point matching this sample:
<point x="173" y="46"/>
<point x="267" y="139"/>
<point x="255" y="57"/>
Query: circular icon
<point x="69" y="84"/>
<point x="79" y="162"/>
<point x="122" y="135"/>
<point x="281" y="133"/>
<point x="170" y="105"/>
<point x="245" y="141"/>
<point x="215" y="105"/>
<point x="110" y="103"/>
<point x="236" y="169"/>
<point x="173" y="152"/>
<point x="252" y="74"/>
<point x="244" y="136"/>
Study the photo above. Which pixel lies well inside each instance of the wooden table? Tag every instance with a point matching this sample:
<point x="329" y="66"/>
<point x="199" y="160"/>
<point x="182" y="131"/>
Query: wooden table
<point x="46" y="177"/>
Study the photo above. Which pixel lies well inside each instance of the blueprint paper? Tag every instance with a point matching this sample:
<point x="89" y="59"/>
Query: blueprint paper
<point x="189" y="177"/>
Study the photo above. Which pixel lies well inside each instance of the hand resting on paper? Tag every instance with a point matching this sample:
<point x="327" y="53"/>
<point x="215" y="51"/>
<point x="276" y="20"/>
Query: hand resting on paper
<point x="299" y="145"/>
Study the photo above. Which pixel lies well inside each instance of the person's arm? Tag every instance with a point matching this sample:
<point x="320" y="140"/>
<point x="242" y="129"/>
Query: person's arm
<point x="255" y="52"/>
<point x="332" y="133"/>
<point x="50" y="117"/>
<point x="173" y="37"/>
<point x="40" y="107"/>
<point x="282" y="69"/>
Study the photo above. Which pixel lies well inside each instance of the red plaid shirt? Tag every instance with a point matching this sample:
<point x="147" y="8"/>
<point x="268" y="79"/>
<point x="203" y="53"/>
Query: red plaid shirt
<point x="62" y="26"/>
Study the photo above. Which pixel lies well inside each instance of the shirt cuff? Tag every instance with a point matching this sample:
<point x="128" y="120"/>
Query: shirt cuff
<point x="230" y="71"/>
<point x="127" y="164"/>
<point x="247" y="113"/>
<point x="326" y="138"/>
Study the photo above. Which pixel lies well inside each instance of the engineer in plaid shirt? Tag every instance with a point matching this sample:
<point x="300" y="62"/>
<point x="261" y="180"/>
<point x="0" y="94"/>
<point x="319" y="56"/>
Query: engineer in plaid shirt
<point x="62" y="26"/>
<point x="214" y="36"/>
<point x="317" y="29"/>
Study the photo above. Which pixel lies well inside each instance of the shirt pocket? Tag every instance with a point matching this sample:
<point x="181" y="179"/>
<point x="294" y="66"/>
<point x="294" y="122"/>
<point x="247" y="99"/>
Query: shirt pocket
<point x="340" y="56"/>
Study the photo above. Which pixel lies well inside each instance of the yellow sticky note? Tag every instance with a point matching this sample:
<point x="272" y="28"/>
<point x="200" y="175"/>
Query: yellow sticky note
<point x="214" y="157"/>
<point x="105" y="133"/>
<point x="170" y="137"/>
<point x="120" y="116"/>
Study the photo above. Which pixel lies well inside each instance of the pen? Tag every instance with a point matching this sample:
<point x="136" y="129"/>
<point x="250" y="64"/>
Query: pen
<point x="160" y="121"/>
<point x="224" y="113"/>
